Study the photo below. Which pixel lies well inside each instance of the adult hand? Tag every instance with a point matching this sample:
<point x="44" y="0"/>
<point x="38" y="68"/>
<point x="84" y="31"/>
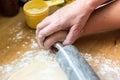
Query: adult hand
<point x="71" y="17"/>
<point x="51" y="40"/>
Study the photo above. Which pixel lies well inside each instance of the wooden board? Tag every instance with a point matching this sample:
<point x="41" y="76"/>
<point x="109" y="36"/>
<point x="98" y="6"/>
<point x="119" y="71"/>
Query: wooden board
<point x="16" y="38"/>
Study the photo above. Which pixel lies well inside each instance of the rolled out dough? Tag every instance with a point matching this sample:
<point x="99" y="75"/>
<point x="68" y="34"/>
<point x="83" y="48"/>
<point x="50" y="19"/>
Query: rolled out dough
<point x="44" y="70"/>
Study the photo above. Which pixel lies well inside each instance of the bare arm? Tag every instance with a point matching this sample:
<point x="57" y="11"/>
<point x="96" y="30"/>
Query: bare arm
<point x="104" y="19"/>
<point x="72" y="17"/>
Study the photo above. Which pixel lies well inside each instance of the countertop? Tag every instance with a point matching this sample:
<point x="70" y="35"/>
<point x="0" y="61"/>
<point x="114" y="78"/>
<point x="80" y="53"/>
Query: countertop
<point x="102" y="51"/>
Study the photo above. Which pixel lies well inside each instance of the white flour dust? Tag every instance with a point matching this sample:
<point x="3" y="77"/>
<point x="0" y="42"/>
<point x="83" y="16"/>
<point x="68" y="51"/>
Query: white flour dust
<point x="27" y="58"/>
<point x="106" y="68"/>
<point x="34" y="44"/>
<point x="32" y="54"/>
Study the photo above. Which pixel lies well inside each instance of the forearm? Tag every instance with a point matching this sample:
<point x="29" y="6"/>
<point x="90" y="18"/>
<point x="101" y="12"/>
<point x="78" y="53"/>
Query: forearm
<point x="96" y="3"/>
<point x="104" y="19"/>
<point x="92" y="3"/>
<point x="88" y="6"/>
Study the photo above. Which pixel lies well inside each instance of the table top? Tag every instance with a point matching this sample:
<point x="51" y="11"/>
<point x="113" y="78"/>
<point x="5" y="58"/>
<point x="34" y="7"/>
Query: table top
<point x="102" y="51"/>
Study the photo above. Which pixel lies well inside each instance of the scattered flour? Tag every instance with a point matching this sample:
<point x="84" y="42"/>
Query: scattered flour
<point x="19" y="24"/>
<point x="8" y="47"/>
<point x="106" y="68"/>
<point x="19" y="35"/>
<point x="34" y="44"/>
<point x="27" y="58"/>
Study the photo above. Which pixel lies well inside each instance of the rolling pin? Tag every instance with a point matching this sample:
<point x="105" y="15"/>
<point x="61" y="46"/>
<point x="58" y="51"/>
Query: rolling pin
<point x="73" y="64"/>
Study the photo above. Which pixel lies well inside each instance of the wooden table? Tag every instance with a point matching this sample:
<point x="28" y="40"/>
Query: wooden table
<point x="102" y="51"/>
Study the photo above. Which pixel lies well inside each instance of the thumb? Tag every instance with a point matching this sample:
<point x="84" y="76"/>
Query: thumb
<point x="72" y="36"/>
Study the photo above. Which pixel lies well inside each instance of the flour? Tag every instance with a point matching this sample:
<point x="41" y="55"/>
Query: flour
<point x="27" y="58"/>
<point x="18" y="52"/>
<point x="19" y="35"/>
<point x="20" y="24"/>
<point x="32" y="55"/>
<point x="34" y="44"/>
<point x="8" y="47"/>
<point x="106" y="68"/>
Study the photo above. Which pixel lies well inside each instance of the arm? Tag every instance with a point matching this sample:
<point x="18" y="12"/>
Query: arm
<point x="103" y="19"/>
<point x="72" y="17"/>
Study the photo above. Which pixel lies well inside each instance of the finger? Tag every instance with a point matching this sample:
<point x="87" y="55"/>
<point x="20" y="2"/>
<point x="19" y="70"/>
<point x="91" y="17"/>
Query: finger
<point x="58" y="36"/>
<point x="40" y="42"/>
<point x="72" y="36"/>
<point x="50" y="29"/>
<point x="41" y="25"/>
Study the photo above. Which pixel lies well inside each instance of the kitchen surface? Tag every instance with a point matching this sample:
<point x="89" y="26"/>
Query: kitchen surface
<point x="18" y="48"/>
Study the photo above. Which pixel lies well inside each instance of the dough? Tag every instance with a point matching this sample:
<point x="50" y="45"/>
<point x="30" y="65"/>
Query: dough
<point x="44" y="70"/>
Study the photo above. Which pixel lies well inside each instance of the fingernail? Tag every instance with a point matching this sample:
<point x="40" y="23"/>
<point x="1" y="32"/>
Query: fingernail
<point x="67" y="42"/>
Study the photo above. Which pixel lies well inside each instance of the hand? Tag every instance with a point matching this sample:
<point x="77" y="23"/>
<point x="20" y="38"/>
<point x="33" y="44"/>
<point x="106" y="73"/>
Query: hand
<point x="71" y="17"/>
<point x="51" y="40"/>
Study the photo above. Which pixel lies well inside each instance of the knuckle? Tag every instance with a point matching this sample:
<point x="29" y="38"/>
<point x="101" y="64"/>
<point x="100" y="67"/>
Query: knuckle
<point x="58" y="26"/>
<point x="76" y="30"/>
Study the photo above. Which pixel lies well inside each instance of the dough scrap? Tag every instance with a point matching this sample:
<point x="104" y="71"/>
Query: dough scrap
<point x="44" y="70"/>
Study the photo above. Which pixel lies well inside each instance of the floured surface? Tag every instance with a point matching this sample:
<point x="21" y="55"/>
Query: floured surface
<point x="19" y="48"/>
<point x="29" y="57"/>
<point x="107" y="69"/>
<point x="44" y="70"/>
